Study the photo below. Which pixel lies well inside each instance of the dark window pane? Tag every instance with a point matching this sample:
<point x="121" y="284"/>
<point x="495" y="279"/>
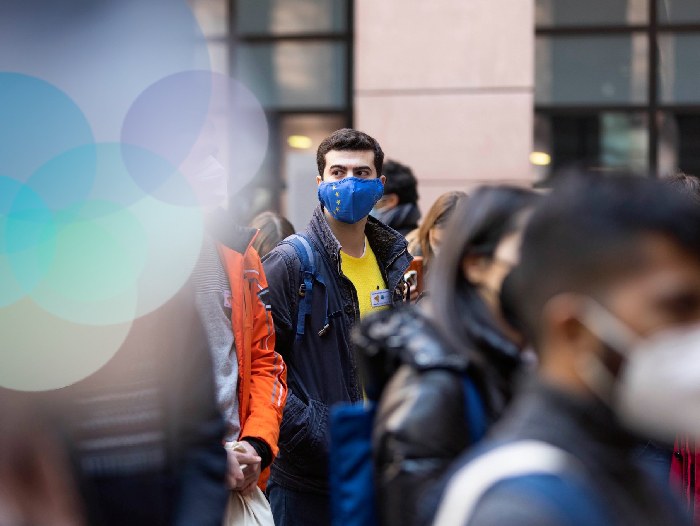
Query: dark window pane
<point x="557" y="13"/>
<point x="678" y="11"/>
<point x="275" y="17"/>
<point x="605" y="141"/>
<point x="287" y="75"/>
<point x="679" y="136"/>
<point x="679" y="64"/>
<point x="591" y="69"/>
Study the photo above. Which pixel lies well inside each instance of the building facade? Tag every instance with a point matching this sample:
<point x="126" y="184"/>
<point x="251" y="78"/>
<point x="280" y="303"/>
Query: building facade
<point x="466" y="92"/>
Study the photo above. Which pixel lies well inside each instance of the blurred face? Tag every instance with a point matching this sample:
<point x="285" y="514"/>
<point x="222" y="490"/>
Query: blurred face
<point x="488" y="273"/>
<point x="387" y="202"/>
<point x="435" y="235"/>
<point x="661" y="293"/>
<point x="664" y="295"/>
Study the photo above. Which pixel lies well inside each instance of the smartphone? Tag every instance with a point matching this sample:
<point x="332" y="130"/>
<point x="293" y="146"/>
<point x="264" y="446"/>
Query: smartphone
<point x="414" y="275"/>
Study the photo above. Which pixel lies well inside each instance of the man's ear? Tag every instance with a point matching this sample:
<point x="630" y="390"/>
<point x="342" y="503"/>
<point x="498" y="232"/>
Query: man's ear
<point x="319" y="180"/>
<point x="382" y="178"/>
<point x="561" y="317"/>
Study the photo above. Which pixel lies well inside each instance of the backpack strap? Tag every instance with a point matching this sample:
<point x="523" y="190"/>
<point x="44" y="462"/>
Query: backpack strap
<point x="522" y="460"/>
<point x="309" y="274"/>
<point x="474" y="410"/>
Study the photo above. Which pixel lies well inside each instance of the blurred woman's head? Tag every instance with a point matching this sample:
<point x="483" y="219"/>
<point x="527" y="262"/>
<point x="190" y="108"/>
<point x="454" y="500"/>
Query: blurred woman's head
<point x="432" y="228"/>
<point x="273" y="228"/>
<point x="466" y="281"/>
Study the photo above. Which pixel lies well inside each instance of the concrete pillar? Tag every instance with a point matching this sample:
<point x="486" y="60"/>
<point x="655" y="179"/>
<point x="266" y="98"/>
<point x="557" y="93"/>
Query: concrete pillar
<point x="446" y="86"/>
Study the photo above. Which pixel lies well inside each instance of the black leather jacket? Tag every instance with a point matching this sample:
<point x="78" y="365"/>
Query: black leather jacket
<point x="420" y="427"/>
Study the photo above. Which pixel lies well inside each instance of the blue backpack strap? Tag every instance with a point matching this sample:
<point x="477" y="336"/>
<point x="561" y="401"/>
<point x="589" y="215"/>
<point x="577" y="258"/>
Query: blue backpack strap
<point x="572" y="499"/>
<point x="474" y="410"/>
<point x="550" y="478"/>
<point x="309" y="273"/>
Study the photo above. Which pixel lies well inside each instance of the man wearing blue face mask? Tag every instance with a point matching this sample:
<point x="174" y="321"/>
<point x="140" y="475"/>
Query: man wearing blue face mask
<point x="358" y="266"/>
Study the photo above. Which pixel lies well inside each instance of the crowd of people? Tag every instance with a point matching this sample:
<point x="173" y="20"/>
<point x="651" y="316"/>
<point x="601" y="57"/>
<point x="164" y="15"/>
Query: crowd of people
<point x="514" y="357"/>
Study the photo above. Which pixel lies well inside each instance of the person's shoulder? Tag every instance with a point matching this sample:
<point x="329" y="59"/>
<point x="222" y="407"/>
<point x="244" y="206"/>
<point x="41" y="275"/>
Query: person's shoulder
<point x="403" y="336"/>
<point x="522" y="500"/>
<point x="411" y="331"/>
<point x="522" y="482"/>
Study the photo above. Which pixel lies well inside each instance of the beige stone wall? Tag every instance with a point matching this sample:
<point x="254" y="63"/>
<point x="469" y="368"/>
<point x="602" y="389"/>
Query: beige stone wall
<point x="446" y="86"/>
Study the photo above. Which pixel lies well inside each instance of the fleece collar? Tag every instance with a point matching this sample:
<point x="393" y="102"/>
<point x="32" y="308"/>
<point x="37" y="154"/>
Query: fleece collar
<point x="386" y="243"/>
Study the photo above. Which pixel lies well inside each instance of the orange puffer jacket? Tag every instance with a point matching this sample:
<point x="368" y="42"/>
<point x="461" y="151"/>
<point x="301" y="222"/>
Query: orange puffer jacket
<point x="262" y="374"/>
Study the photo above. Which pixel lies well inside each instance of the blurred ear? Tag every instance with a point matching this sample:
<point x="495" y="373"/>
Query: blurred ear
<point x="382" y="178"/>
<point x="561" y="325"/>
<point x="319" y="180"/>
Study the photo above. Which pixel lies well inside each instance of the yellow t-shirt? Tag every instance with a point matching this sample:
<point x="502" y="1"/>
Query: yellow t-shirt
<point x="368" y="281"/>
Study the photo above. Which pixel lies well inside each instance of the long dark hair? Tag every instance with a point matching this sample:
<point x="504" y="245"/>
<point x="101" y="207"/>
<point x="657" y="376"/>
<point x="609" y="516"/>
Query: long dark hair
<point x="476" y="228"/>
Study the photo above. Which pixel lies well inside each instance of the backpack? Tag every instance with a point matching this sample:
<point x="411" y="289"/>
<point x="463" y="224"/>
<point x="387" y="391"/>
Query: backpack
<point x="352" y="487"/>
<point x="309" y="274"/>
<point x="541" y="470"/>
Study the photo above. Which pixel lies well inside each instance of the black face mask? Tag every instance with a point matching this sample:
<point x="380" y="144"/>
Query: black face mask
<point x="506" y="300"/>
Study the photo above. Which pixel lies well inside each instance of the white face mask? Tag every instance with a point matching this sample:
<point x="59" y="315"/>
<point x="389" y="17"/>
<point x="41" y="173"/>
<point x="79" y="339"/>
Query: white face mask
<point x="657" y="393"/>
<point x="210" y="182"/>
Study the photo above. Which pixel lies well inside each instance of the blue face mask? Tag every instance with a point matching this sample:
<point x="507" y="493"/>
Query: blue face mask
<point x="351" y="198"/>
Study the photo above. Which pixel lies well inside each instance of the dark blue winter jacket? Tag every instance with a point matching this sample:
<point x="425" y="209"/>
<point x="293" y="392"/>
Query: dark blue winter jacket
<point x="321" y="367"/>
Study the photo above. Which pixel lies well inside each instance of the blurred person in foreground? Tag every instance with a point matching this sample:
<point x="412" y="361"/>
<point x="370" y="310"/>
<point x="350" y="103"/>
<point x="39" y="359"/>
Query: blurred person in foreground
<point x="427" y="240"/>
<point x="272" y="228"/>
<point x="420" y="426"/>
<point x="145" y="430"/>
<point x="37" y="484"/>
<point x="398" y="207"/>
<point x="684" y="459"/>
<point x="608" y="290"/>
<point x="359" y="264"/>
<point x="233" y="302"/>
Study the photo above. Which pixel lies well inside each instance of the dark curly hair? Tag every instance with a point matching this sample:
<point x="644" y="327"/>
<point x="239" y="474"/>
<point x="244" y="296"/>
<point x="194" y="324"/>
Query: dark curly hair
<point x="349" y="139"/>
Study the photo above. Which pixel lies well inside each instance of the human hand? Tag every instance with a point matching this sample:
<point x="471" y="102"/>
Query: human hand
<point x="244" y="467"/>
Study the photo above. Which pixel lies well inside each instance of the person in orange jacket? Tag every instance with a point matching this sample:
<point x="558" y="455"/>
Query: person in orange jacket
<point x="251" y="389"/>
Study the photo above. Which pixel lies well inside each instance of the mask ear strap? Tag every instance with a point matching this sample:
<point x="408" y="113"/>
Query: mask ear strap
<point x="597" y="376"/>
<point x="608" y="328"/>
<point x="616" y="336"/>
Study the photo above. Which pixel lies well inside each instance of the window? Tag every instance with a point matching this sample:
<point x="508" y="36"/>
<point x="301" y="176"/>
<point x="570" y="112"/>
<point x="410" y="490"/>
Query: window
<point x="296" y="57"/>
<point x="617" y="85"/>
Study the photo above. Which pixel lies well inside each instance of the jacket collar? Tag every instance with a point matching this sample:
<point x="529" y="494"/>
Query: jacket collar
<point x="403" y="216"/>
<point x="386" y="243"/>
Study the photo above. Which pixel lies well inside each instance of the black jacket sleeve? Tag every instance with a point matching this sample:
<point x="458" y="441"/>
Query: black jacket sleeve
<point x="420" y="425"/>
<point x="420" y="429"/>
